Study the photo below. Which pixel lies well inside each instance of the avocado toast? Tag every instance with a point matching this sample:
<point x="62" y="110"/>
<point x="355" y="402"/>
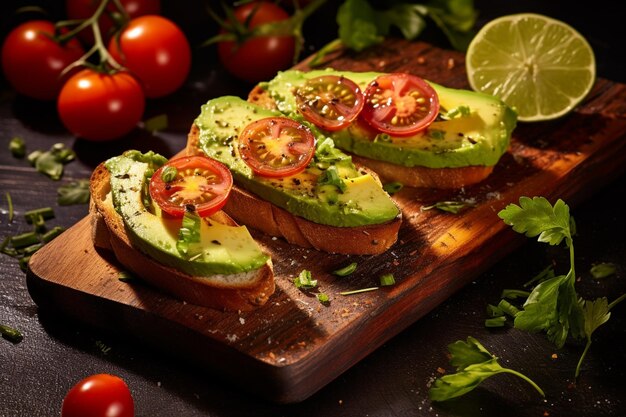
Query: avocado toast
<point x="224" y="268"/>
<point x="330" y="204"/>
<point x="460" y="145"/>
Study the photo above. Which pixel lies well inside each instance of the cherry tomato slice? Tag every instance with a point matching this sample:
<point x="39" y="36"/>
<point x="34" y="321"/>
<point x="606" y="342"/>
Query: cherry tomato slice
<point x="400" y="104"/>
<point x="191" y="184"/>
<point x="276" y="146"/>
<point x="330" y="102"/>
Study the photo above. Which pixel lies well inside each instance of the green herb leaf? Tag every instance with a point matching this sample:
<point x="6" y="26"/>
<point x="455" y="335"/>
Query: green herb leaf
<point x="346" y="270"/>
<point x="392" y="187"/>
<point x="10" y="206"/>
<point x="495" y="321"/>
<point x="305" y="280"/>
<point x="357" y="22"/>
<point x="387" y="280"/>
<point x="188" y="234"/>
<point x="603" y="270"/>
<point x="330" y="176"/>
<point x="474" y="364"/>
<point x="17" y="146"/>
<point x="323" y="298"/>
<point x="52" y="161"/>
<point x="75" y="192"/>
<point x="454" y="207"/>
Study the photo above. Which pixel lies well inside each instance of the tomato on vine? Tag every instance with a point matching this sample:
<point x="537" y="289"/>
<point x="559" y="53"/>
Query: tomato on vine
<point x="33" y="59"/>
<point x="100" y="106"/>
<point x="83" y="9"/>
<point x="155" y="50"/>
<point x="99" y="395"/>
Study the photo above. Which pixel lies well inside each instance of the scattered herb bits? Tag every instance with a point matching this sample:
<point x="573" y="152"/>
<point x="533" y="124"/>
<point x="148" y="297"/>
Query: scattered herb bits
<point x="11" y="334"/>
<point x="305" y="280"/>
<point x="17" y="147"/>
<point x="346" y="270"/>
<point x="75" y="192"/>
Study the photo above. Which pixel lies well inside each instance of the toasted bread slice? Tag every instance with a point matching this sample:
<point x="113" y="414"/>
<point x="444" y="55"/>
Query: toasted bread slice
<point x="232" y="292"/>
<point x="247" y="208"/>
<point x="441" y="178"/>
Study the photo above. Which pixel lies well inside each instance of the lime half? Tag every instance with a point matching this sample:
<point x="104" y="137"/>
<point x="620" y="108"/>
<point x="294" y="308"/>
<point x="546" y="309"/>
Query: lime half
<point x="540" y="66"/>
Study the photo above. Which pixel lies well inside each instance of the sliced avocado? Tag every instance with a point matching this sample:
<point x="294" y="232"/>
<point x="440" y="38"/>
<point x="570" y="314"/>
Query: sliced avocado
<point x="358" y="200"/>
<point x="473" y="128"/>
<point x="222" y="249"/>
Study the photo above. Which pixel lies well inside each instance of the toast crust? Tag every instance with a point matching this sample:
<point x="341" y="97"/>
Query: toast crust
<point x="246" y="208"/>
<point x="236" y="292"/>
<point x="419" y="177"/>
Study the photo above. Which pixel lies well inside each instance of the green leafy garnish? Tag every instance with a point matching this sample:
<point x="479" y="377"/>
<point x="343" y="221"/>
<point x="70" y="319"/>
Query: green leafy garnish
<point x="460" y="111"/>
<point x="387" y="280"/>
<point x="474" y="364"/>
<point x="330" y="176"/>
<point x="188" y="233"/>
<point x="75" y="192"/>
<point x="454" y="207"/>
<point x="323" y="298"/>
<point x="305" y="280"/>
<point x="156" y="124"/>
<point x="10" y="206"/>
<point x="11" y="334"/>
<point x="169" y="173"/>
<point x="346" y="270"/>
<point x="603" y="270"/>
<point x="392" y="187"/>
<point x="17" y="146"/>
<point x="51" y="162"/>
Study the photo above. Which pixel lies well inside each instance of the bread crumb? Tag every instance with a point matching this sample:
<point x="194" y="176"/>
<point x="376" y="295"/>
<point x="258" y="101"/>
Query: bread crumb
<point x="450" y="63"/>
<point x="421" y="60"/>
<point x="231" y="337"/>
<point x="242" y="320"/>
<point x="554" y="356"/>
<point x="441" y="370"/>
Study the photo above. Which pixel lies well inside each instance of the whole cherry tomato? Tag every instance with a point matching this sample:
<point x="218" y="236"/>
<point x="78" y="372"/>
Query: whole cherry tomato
<point x="99" y="395"/>
<point x="156" y="51"/>
<point x="33" y="62"/>
<point x="259" y="58"/>
<point x="98" y="107"/>
<point x="83" y="9"/>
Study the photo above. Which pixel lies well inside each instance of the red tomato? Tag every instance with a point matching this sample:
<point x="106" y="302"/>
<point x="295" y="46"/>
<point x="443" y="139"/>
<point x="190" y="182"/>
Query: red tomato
<point x="400" y="104"/>
<point x="100" y="107"/>
<point x="330" y="102"/>
<point x="258" y="58"/>
<point x="84" y="9"/>
<point x="276" y="146"/>
<point x="99" y="395"/>
<point x="191" y="184"/>
<point x="33" y="62"/>
<point x="156" y="51"/>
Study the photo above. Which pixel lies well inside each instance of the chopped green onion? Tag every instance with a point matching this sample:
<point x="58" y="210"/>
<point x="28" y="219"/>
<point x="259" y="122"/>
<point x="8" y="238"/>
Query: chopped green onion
<point x="387" y="280"/>
<point x="126" y="276"/>
<point x="346" y="270"/>
<point x="508" y="308"/>
<point x="24" y="263"/>
<point x="495" y="321"/>
<point x="52" y="233"/>
<point x="10" y="203"/>
<point x="513" y="294"/>
<point x="169" y="173"/>
<point x="17" y="146"/>
<point x="45" y="213"/>
<point x="305" y="280"/>
<point x="494" y="311"/>
<point x="11" y="334"/>
<point x="323" y="298"/>
<point x="24" y="239"/>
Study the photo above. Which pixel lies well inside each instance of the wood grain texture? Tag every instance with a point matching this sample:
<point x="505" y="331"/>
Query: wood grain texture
<point x="293" y="346"/>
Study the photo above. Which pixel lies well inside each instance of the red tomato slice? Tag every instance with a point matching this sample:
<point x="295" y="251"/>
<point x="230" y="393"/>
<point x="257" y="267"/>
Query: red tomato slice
<point x="400" y="104"/>
<point x="191" y="184"/>
<point x="330" y="102"/>
<point x="276" y="146"/>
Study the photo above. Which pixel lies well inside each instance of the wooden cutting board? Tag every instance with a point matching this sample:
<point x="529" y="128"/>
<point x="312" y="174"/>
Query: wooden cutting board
<point x="294" y="345"/>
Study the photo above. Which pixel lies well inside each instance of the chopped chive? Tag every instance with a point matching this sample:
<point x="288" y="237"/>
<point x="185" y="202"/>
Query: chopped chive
<point x="358" y="291"/>
<point x="495" y="321"/>
<point x="11" y="334"/>
<point x="305" y="280"/>
<point x="513" y="294"/>
<point x="24" y="239"/>
<point x="10" y="204"/>
<point x="24" y="263"/>
<point x="29" y="250"/>
<point x="508" y="308"/>
<point x="494" y="311"/>
<point x="346" y="270"/>
<point x="169" y="173"/>
<point x="52" y="233"/>
<point x="45" y="213"/>
<point x="323" y="298"/>
<point x="17" y="146"/>
<point x="387" y="280"/>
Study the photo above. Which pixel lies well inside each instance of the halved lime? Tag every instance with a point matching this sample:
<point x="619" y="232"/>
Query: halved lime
<point x="540" y="66"/>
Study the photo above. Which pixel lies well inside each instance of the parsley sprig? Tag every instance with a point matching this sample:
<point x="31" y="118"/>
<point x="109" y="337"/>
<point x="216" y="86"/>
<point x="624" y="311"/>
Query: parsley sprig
<point x="553" y="305"/>
<point x="474" y="364"/>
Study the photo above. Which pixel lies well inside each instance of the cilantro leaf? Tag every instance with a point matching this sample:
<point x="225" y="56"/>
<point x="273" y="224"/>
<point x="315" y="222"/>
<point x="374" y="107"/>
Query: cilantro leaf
<point x="357" y="25"/>
<point x="474" y="364"/>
